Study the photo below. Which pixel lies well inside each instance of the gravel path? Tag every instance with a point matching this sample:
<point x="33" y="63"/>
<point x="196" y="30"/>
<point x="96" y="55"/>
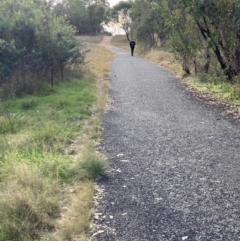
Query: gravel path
<point x="174" y="161"/>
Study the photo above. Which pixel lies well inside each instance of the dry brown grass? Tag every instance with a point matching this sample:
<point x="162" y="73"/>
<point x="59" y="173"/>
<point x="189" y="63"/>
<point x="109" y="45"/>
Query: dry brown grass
<point x="97" y="67"/>
<point x="99" y="61"/>
<point x="78" y="204"/>
<point x="165" y="60"/>
<point x="90" y="39"/>
<point x="77" y="212"/>
<point x="28" y="202"/>
<point x="160" y="57"/>
<point x="120" y="41"/>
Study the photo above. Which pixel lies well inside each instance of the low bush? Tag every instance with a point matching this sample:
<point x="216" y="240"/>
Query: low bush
<point x="89" y="166"/>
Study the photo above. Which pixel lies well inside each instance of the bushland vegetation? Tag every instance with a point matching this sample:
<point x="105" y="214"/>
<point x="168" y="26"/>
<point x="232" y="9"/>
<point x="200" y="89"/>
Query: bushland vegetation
<point x="50" y="109"/>
<point x="202" y="36"/>
<point x="86" y="15"/>
<point x="35" y="46"/>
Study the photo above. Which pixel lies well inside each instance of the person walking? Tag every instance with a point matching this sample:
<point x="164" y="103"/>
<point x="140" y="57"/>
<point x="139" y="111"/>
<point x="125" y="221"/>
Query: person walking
<point x="132" y="46"/>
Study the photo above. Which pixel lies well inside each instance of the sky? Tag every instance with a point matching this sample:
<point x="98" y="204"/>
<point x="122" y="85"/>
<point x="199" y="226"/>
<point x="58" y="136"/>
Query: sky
<point x="113" y="28"/>
<point x="113" y="2"/>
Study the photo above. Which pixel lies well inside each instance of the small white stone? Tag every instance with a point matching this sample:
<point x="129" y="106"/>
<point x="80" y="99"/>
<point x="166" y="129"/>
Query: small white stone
<point x="158" y="199"/>
<point x="125" y="161"/>
<point x="120" y="154"/>
<point x="185" y="237"/>
<point x="98" y="232"/>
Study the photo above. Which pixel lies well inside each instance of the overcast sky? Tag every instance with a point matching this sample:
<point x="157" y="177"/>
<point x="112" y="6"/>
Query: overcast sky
<point x="113" y="2"/>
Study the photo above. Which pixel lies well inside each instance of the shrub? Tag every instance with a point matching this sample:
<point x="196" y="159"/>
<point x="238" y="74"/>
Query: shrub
<point x="35" y="45"/>
<point x="90" y="166"/>
<point x="10" y="124"/>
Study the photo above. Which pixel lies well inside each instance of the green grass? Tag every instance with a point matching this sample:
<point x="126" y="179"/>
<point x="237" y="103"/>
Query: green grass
<point x="44" y="169"/>
<point x="89" y="166"/>
<point x="35" y="132"/>
<point x="48" y="126"/>
<point x="218" y="88"/>
<point x="69" y="100"/>
<point x="52" y="118"/>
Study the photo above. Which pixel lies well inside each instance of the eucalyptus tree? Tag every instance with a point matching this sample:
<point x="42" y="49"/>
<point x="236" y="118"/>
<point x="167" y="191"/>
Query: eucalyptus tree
<point x="120" y="15"/>
<point x="184" y="39"/>
<point x="218" y="21"/>
<point x="33" y="39"/>
<point x="75" y="12"/>
<point x="87" y="16"/>
<point x="97" y="15"/>
<point x="149" y="23"/>
<point x="143" y="23"/>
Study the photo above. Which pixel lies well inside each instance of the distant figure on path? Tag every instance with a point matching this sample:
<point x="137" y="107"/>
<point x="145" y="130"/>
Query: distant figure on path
<point x="132" y="46"/>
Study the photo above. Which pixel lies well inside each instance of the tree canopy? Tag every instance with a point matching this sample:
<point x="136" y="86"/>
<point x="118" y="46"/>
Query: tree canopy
<point x="192" y="29"/>
<point x="120" y="15"/>
<point x="87" y="16"/>
<point x="33" y="39"/>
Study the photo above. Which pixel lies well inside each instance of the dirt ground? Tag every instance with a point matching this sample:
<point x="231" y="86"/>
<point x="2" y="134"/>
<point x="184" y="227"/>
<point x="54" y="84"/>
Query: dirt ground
<point x="106" y="42"/>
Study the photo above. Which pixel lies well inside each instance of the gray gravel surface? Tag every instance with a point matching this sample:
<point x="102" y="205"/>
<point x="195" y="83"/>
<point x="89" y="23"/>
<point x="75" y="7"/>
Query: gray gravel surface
<point x="174" y="171"/>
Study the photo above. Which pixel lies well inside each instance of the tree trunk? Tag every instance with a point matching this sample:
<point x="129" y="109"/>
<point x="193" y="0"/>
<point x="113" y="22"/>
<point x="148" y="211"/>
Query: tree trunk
<point x="195" y="66"/>
<point x="52" y="70"/>
<point x="61" y="70"/>
<point x="207" y="61"/>
<point x="127" y="35"/>
<point x="207" y="36"/>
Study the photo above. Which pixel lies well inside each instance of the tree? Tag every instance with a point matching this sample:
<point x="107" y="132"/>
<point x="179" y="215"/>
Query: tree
<point x="120" y="15"/>
<point x="97" y="14"/>
<point x="33" y="39"/>
<point x="149" y="23"/>
<point x="184" y="41"/>
<point x="219" y="24"/>
<point x="86" y="15"/>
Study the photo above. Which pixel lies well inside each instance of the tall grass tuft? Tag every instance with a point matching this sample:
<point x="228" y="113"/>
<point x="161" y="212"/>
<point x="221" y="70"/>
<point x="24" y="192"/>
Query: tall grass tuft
<point x="4" y="147"/>
<point x="28" y="202"/>
<point x="89" y="166"/>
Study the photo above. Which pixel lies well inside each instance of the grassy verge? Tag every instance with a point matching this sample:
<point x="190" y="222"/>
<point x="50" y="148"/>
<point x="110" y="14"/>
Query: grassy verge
<point x="120" y="41"/>
<point x="48" y="160"/>
<point x="211" y="85"/>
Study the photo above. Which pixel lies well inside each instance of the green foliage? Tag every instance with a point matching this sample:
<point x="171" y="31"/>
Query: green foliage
<point x="10" y="124"/>
<point x="34" y="41"/>
<point x="33" y="160"/>
<point x="28" y="104"/>
<point x="185" y="41"/>
<point x="49" y="122"/>
<point x="120" y="15"/>
<point x="4" y="147"/>
<point x="203" y="35"/>
<point x="217" y="22"/>
<point x="149" y="23"/>
<point x="86" y="16"/>
<point x="90" y="166"/>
